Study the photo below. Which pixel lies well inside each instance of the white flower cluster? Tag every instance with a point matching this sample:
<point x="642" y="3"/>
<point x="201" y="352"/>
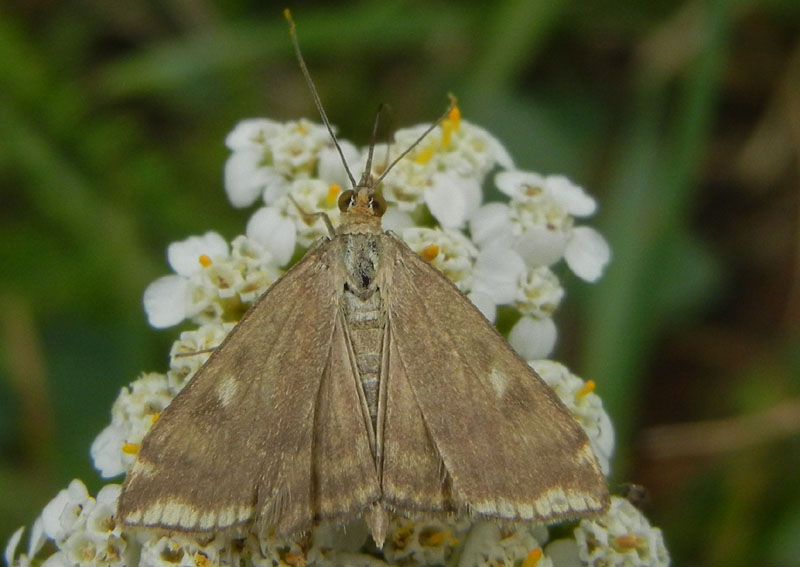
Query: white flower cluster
<point x="621" y="538"/>
<point x="82" y="529"/>
<point x="585" y="406"/>
<point x="499" y="254"/>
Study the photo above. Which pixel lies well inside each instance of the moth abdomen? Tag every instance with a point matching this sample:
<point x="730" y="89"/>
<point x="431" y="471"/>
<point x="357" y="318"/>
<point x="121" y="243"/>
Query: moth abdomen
<point x="366" y="325"/>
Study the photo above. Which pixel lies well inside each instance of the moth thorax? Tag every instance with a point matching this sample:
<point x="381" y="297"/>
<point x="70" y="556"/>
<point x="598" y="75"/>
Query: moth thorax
<point x="361" y="257"/>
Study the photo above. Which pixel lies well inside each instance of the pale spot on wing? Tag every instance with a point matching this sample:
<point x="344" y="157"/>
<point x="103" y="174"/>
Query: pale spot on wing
<point x="227" y="390"/>
<point x="499" y="381"/>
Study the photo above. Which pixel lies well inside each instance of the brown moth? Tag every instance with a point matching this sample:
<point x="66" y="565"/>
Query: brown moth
<point x="362" y="382"/>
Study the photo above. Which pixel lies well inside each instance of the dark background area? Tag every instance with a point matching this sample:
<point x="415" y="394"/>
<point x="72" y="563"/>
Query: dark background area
<point x="682" y="118"/>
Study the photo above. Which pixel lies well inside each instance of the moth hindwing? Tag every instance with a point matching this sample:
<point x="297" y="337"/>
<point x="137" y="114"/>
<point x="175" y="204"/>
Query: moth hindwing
<point x="363" y="381"/>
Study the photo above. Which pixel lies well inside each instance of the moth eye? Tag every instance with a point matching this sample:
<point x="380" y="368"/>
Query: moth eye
<point x="346" y="199"/>
<point x="378" y="205"/>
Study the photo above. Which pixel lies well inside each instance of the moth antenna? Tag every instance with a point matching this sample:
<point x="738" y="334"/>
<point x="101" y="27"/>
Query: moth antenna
<point x="416" y="142"/>
<point x="368" y="168"/>
<point x="310" y="217"/>
<point x="293" y="33"/>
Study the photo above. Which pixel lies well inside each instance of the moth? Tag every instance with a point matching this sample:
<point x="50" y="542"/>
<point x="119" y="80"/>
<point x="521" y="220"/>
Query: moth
<point x="362" y="382"/>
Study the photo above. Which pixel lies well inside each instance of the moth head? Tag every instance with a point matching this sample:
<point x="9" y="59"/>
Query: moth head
<point x="362" y="200"/>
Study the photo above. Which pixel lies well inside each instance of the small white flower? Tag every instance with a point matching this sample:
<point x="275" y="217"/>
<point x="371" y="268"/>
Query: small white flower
<point x="533" y="338"/>
<point x="182" y="550"/>
<point x="313" y="196"/>
<point x="623" y="536"/>
<point x="488" y="544"/>
<point x="423" y="542"/>
<point x="266" y="155"/>
<point x="539" y="293"/>
<point x="100" y="524"/>
<point x="213" y="280"/>
<point x="183" y="256"/>
<point x="570" y="198"/>
<point x="191" y="350"/>
<point x="449" y="251"/>
<point x="586" y="406"/>
<point x="67" y="512"/>
<point x="445" y="171"/>
<point x="538" y="223"/>
<point x="132" y="415"/>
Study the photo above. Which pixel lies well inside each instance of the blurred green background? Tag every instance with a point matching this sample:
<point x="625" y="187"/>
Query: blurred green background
<point x="683" y="118"/>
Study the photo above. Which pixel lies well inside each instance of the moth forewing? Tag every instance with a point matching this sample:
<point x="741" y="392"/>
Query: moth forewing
<point x="240" y="443"/>
<point x="508" y="446"/>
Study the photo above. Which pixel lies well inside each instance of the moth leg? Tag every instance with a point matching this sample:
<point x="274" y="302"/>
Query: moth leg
<point x="311" y="217"/>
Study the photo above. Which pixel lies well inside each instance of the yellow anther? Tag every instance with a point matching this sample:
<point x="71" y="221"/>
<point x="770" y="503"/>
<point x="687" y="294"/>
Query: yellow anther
<point x="533" y="557"/>
<point x="450" y="125"/>
<point x="430" y="252"/>
<point x="204" y="260"/>
<point x="425" y="155"/>
<point x="585" y="390"/>
<point x="628" y="541"/>
<point x="302" y="129"/>
<point x="130" y="448"/>
<point x="202" y="560"/>
<point x="455" y="116"/>
<point x="437" y="538"/>
<point x="295" y="559"/>
<point x="155" y="417"/>
<point x="333" y="194"/>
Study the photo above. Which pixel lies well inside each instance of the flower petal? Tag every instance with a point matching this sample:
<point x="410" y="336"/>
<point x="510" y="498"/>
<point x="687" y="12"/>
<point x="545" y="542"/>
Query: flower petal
<point x="452" y="199"/>
<point x="274" y="232"/>
<point x="165" y="301"/>
<point x="513" y="183"/>
<point x="11" y="546"/>
<point x="184" y="256"/>
<point x="485" y="304"/>
<point x="498" y="272"/>
<point x="330" y="168"/>
<point x="540" y="246"/>
<point x="251" y="133"/>
<point x="575" y="200"/>
<point x="491" y="225"/>
<point x="587" y="253"/>
<point x="106" y="451"/>
<point x="396" y="220"/>
<point x="533" y="338"/>
<point x="245" y="178"/>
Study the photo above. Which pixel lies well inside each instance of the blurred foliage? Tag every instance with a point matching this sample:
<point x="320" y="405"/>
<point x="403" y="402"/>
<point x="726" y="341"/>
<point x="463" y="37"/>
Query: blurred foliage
<point x="682" y="117"/>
